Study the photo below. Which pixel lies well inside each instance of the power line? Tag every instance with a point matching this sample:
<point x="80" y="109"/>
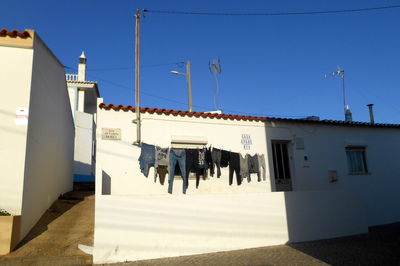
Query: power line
<point x="170" y="12"/>
<point x="184" y="104"/>
<point x="179" y="64"/>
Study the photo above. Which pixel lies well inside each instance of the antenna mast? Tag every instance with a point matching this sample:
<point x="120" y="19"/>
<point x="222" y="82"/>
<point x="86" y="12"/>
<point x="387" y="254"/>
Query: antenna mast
<point x="346" y="108"/>
<point x="215" y="68"/>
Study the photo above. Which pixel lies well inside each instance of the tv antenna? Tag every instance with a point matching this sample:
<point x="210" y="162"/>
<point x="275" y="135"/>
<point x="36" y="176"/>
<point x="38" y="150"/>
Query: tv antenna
<point x="215" y="69"/>
<point x="340" y="72"/>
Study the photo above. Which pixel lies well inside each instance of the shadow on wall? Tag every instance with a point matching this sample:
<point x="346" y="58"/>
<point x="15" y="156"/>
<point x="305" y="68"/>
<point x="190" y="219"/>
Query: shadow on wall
<point x="83" y="172"/>
<point x="315" y="215"/>
<point x="105" y="184"/>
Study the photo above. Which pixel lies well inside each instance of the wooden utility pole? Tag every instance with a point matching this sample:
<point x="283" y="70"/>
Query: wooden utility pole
<point x="137" y="78"/>
<point x="189" y="84"/>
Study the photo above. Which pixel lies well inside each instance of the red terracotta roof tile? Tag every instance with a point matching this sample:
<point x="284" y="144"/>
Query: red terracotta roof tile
<point x="127" y="108"/>
<point x="14" y="33"/>
<point x="239" y="117"/>
<point x="177" y="112"/>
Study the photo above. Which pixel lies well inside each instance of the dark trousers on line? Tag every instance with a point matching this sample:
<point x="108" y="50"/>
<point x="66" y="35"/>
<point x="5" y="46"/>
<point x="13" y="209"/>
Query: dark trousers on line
<point x="234" y="166"/>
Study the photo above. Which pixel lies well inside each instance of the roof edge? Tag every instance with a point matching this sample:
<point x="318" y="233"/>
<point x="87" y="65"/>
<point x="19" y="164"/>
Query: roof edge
<point x="242" y="117"/>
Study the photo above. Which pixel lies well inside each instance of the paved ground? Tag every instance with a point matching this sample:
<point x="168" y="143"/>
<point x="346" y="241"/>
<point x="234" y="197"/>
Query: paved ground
<point x="70" y="221"/>
<point x="54" y="239"/>
<point x="380" y="247"/>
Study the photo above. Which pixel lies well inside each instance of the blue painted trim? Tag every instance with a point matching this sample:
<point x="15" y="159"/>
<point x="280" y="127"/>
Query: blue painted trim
<point x="83" y="178"/>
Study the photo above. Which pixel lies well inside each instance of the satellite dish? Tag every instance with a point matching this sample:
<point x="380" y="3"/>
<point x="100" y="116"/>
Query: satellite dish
<point x="215" y="69"/>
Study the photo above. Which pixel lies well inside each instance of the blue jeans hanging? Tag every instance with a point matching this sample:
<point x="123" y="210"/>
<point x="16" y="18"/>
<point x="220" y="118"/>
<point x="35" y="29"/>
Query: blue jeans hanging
<point x="177" y="156"/>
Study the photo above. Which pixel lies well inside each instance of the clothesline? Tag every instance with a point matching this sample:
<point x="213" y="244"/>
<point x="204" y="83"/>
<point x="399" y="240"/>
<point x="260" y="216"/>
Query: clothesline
<point x="199" y="160"/>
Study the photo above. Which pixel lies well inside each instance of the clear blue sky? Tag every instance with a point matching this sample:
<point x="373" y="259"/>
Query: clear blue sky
<point x="270" y="65"/>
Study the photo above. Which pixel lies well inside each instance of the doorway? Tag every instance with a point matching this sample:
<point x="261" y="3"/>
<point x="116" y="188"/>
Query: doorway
<point x="280" y="155"/>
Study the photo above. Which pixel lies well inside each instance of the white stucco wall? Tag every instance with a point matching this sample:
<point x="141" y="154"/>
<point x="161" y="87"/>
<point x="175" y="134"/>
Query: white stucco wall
<point x="140" y="227"/>
<point x="73" y="99"/>
<point x="324" y="145"/>
<point x="83" y="147"/>
<point x="50" y="143"/>
<point x="137" y="219"/>
<point x="119" y="159"/>
<point x="15" y="80"/>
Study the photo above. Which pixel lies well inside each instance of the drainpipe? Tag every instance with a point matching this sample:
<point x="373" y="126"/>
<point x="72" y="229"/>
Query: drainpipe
<point x="371" y="113"/>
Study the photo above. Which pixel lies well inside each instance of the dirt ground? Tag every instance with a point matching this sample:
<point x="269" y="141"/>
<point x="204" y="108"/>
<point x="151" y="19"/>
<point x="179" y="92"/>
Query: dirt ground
<point x="54" y="239"/>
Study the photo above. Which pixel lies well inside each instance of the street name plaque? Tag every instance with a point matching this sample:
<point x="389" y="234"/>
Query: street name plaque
<point x="111" y="133"/>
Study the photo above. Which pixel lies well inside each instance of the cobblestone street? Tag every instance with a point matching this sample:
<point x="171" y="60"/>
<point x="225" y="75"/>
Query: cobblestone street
<point x="380" y="247"/>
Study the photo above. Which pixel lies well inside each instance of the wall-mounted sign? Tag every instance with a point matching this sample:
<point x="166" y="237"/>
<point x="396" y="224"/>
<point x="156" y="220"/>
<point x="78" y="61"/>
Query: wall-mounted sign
<point x="21" y="116"/>
<point x="111" y="133"/>
<point x="246" y="141"/>
<point x="299" y="143"/>
<point x="332" y="175"/>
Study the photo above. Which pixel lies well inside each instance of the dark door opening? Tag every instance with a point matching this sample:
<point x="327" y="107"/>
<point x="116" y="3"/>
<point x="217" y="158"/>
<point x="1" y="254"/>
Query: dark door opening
<point x="280" y="157"/>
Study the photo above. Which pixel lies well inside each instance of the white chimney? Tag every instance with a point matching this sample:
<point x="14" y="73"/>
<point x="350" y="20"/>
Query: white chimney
<point x="347" y="114"/>
<point x="371" y="113"/>
<point x="82" y="67"/>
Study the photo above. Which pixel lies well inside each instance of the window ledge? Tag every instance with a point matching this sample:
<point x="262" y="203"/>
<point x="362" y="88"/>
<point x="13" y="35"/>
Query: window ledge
<point x="359" y="173"/>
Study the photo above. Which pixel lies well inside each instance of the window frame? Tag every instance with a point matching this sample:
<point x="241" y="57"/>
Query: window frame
<point x="360" y="151"/>
<point x="177" y="143"/>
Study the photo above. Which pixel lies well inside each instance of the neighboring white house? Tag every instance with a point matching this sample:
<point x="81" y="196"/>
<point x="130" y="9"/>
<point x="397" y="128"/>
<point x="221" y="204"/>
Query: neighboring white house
<point x="325" y="179"/>
<point x="36" y="127"/>
<point x="83" y="96"/>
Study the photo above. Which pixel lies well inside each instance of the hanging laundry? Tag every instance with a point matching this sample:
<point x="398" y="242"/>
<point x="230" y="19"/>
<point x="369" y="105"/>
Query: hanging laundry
<point x="224" y="158"/>
<point x="244" y="167"/>
<point x="216" y="161"/>
<point x="146" y="158"/>
<point x="253" y="166"/>
<point x="161" y="156"/>
<point x="203" y="162"/>
<point x="234" y="166"/>
<point x="209" y="160"/>
<point x="261" y="164"/>
<point x="177" y="156"/>
<point x="161" y="161"/>
<point x="183" y="161"/>
<point x="193" y="164"/>
<point x="162" y="172"/>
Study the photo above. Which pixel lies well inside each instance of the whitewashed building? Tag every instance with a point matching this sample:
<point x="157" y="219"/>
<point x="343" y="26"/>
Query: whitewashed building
<point x="325" y="179"/>
<point x="36" y="128"/>
<point x="83" y="96"/>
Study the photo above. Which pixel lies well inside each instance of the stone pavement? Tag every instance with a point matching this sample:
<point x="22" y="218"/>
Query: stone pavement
<point x="380" y="247"/>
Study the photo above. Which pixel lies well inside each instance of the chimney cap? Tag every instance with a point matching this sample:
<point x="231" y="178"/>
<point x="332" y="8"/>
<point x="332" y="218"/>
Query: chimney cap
<point x="371" y="104"/>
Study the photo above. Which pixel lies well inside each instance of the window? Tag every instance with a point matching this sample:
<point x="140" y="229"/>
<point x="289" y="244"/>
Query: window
<point x="356" y="160"/>
<point x="188" y="142"/>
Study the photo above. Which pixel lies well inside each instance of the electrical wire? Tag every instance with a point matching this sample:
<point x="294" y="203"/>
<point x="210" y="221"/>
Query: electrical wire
<point x="179" y="64"/>
<point x="170" y="12"/>
<point x="185" y="104"/>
